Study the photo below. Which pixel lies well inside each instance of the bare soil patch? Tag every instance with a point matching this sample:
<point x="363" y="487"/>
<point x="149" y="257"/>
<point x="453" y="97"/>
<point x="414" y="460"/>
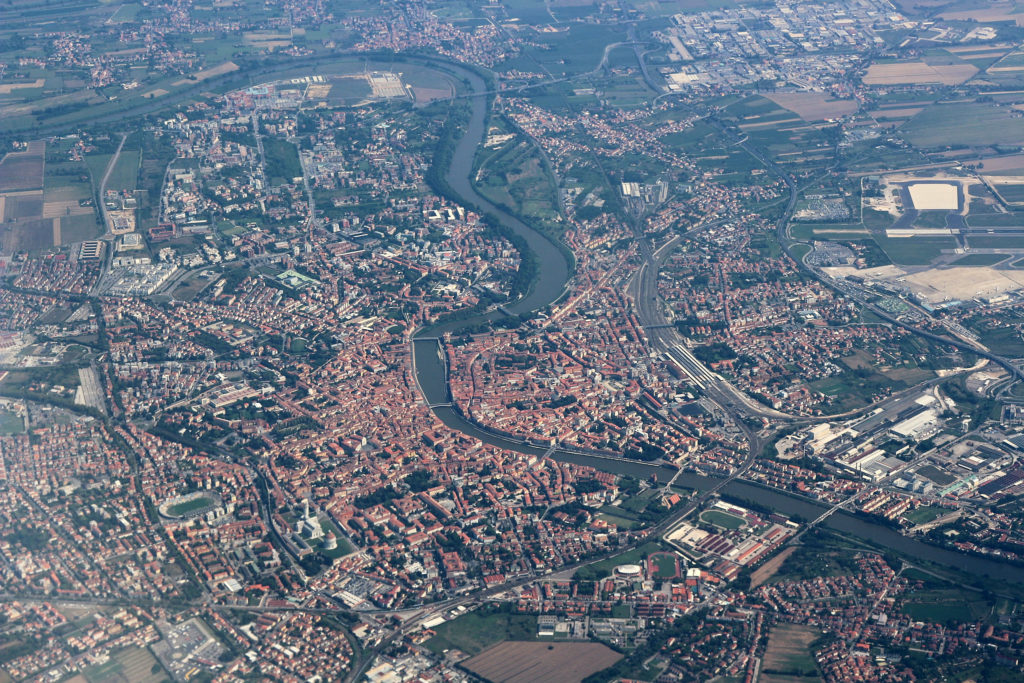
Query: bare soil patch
<point x="218" y="70"/>
<point x="21" y="171"/>
<point x="1012" y="162"/>
<point x="768" y="569"/>
<point x="8" y="88"/>
<point x="814" y="106"/>
<point x="788" y="651"/>
<point x="918" y="72"/>
<point x="1001" y="12"/>
<point x="524" y="662"/>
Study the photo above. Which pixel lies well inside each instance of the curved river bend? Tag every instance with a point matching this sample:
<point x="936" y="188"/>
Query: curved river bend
<point x="553" y="274"/>
<point x="553" y="269"/>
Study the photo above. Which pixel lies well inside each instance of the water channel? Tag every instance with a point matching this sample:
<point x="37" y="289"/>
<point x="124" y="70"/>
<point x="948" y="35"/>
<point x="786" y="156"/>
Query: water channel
<point x="432" y="377"/>
<point x="553" y="274"/>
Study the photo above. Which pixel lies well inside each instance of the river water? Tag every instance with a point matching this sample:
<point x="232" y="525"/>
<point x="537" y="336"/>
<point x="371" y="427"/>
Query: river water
<point x="431" y="374"/>
<point x="553" y="275"/>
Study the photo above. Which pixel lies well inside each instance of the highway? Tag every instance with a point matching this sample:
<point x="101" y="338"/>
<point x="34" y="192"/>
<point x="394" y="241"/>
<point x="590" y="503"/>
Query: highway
<point x="108" y="254"/>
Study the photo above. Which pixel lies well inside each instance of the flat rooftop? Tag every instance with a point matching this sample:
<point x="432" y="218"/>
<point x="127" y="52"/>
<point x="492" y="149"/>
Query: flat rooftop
<point x="934" y="196"/>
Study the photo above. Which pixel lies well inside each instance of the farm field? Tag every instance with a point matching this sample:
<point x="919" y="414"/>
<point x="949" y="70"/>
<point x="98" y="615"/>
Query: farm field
<point x="22" y="223"/>
<point x="968" y="123"/>
<point x="814" y="106"/>
<point x="519" y="662"/>
<point x="918" y="72"/>
<point x="1010" y="163"/>
<point x="788" y="653"/>
<point x="22" y="170"/>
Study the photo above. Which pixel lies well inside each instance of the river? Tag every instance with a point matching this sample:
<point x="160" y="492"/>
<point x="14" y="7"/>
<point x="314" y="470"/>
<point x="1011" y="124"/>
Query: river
<point x="432" y="377"/>
<point x="553" y="274"/>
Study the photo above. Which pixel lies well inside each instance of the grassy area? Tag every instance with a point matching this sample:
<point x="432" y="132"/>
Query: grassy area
<point x="813" y="561"/>
<point x="807" y="231"/>
<point x="618" y="520"/>
<point x="969" y="123"/>
<point x="344" y="547"/>
<point x="945" y="606"/>
<point x="979" y="260"/>
<point x="1003" y="340"/>
<point x="282" y="159"/>
<point x="854" y="387"/>
<point x="995" y="241"/>
<point x="604" y="568"/>
<point x="97" y="165"/>
<point x="622" y="611"/>
<point x="125" y="172"/>
<point x="788" y="652"/>
<point x="914" y="251"/>
<point x="800" y="250"/>
<point x="476" y="631"/>
<point x="722" y="519"/>
<point x="924" y="514"/>
<point x="11" y="423"/>
<point x="664" y="565"/>
<point x="187" y="506"/>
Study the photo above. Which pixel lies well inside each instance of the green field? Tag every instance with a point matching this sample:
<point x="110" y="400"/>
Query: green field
<point x="476" y="631"/>
<point x="722" y="519"/>
<point x="11" y="423"/>
<point x="1003" y="340"/>
<point x="125" y="172"/>
<point x="600" y="570"/>
<point x="282" y="159"/>
<point x="969" y="123"/>
<point x="344" y="547"/>
<point x="1011" y="193"/>
<point x="806" y="231"/>
<point x="187" y="506"/>
<point x="618" y="520"/>
<point x="664" y="565"/>
<point x="945" y="606"/>
<point x="800" y="250"/>
<point x="914" y="251"/>
<point x="924" y="514"/>
<point x="995" y="241"/>
<point x="979" y="260"/>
